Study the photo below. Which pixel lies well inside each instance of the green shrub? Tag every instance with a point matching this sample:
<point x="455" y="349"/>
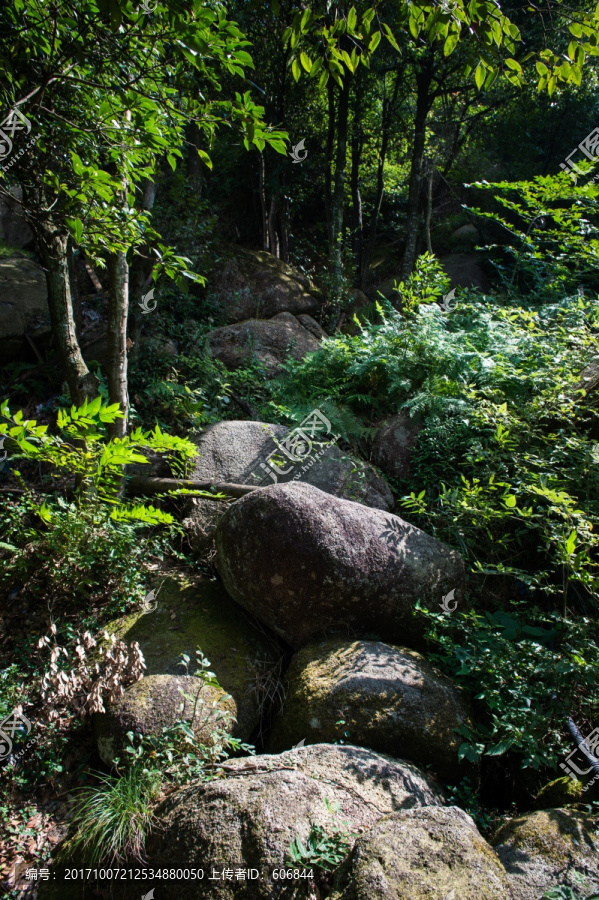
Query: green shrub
<point x="114" y="819"/>
<point x="512" y="666"/>
<point x="74" y="535"/>
<point x="504" y="467"/>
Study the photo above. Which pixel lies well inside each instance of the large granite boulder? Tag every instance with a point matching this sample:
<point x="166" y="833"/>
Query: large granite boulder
<point x="465" y="270"/>
<point x="306" y="563"/>
<point x="14" y="229"/>
<point x="238" y="452"/>
<point x="183" y="614"/>
<point x="253" y="284"/>
<point x="393" y="443"/>
<point x="23" y="308"/>
<point x="157" y="701"/>
<point x="271" y="341"/>
<point x="250" y="817"/>
<point x="431" y="853"/>
<point x="549" y="848"/>
<point x="387" y="698"/>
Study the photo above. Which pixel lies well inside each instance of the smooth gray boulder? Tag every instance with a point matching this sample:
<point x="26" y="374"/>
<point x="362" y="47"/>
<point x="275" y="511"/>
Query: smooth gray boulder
<point x="388" y="699"/>
<point x="158" y="701"/>
<point x="238" y="452"/>
<point x="250" y="817"/>
<point x="271" y="341"/>
<point x="182" y="614"/>
<point x="433" y="853"/>
<point x="250" y="284"/>
<point x="24" y="311"/>
<point x="306" y="563"/>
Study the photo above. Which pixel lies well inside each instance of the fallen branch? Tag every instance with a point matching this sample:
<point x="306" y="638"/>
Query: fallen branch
<point x="146" y="484"/>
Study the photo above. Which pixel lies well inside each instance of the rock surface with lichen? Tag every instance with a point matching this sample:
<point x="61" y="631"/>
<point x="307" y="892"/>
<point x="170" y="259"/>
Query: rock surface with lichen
<point x="237" y="451"/>
<point x="306" y="563"/>
<point x="388" y="699"/>
<point x="193" y="613"/>
<point x="566" y="792"/>
<point x="156" y="702"/>
<point x="549" y="848"/>
<point x="271" y="342"/>
<point x="430" y="853"/>
<point x="255" y="284"/>
<point x="250" y="818"/>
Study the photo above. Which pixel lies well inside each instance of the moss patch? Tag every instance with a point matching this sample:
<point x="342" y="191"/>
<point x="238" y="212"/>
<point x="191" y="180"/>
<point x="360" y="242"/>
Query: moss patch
<point x="194" y="612"/>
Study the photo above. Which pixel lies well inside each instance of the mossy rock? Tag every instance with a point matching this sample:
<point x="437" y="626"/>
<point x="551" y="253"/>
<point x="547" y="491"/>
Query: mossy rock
<point x="549" y="848"/>
<point x="194" y="612"/>
<point x="565" y="792"/>
<point x="422" y="854"/>
<point x="249" y="818"/>
<point x="255" y="284"/>
<point x="388" y="698"/>
<point x="158" y="701"/>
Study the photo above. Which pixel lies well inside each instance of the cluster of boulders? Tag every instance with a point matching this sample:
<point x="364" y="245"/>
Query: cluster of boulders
<point x="313" y="635"/>
<point x="315" y="610"/>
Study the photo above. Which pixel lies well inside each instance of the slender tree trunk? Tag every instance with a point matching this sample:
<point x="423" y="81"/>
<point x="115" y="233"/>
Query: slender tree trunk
<point x="116" y="363"/>
<point x="284" y="219"/>
<point x="263" y="202"/>
<point x="368" y="252"/>
<point x="328" y="185"/>
<point x="356" y="193"/>
<point x="429" y="203"/>
<point x="339" y="184"/>
<point x="140" y="272"/>
<point x="273" y="239"/>
<point x="53" y="245"/>
<point x="194" y="163"/>
<point x="423" y="101"/>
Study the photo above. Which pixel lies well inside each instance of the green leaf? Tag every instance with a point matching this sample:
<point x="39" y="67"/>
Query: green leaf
<point x="374" y="41"/>
<point x="76" y="227"/>
<point x="390" y="37"/>
<point x="205" y="158"/>
<point x="306" y="61"/>
<point x="500" y="748"/>
<point x="296" y="69"/>
<point x="480" y="75"/>
<point x="451" y="43"/>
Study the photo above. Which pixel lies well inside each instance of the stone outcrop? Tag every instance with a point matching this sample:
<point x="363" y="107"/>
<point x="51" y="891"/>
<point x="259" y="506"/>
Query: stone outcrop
<point x="306" y="563"/>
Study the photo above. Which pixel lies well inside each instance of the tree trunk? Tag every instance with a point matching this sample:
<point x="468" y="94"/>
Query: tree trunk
<point x="328" y="190"/>
<point x="53" y="245"/>
<point x="284" y="218"/>
<point x="263" y="202"/>
<point x="339" y="188"/>
<point x="423" y="101"/>
<point x="116" y="363"/>
<point x="368" y="252"/>
<point x="194" y="163"/>
<point x="273" y="239"/>
<point x="429" y="203"/>
<point x="140" y="272"/>
<point x="356" y="194"/>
